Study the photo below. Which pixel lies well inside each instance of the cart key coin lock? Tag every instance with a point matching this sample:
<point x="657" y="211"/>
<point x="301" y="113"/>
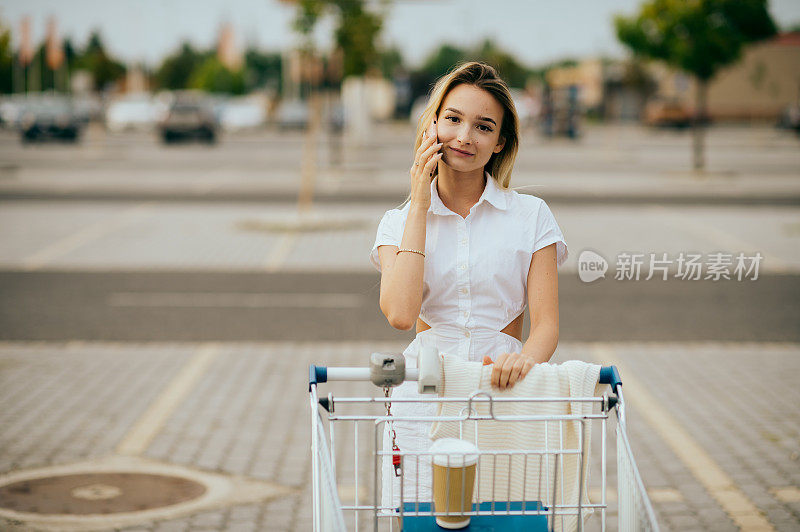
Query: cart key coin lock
<point x="389" y="370"/>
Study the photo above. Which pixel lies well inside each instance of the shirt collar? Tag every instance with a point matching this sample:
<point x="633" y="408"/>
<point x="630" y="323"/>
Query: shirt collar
<point x="492" y="193"/>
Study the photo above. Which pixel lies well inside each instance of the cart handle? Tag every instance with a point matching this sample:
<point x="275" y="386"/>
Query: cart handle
<point x="317" y="374"/>
<point x="610" y="375"/>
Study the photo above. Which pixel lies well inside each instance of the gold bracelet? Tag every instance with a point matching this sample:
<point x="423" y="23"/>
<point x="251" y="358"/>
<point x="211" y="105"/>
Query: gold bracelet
<point x="410" y="251"/>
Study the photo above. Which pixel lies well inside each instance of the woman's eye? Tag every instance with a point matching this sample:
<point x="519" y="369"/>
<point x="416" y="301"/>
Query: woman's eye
<point x="456" y="119"/>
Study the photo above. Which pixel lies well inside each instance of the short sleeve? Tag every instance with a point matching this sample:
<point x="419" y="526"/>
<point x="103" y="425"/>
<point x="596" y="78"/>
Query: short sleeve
<point x="548" y="232"/>
<point x="390" y="232"/>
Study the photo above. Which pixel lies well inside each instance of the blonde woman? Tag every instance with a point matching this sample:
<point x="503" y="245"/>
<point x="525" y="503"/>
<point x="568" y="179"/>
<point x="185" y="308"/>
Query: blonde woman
<point x="465" y="254"/>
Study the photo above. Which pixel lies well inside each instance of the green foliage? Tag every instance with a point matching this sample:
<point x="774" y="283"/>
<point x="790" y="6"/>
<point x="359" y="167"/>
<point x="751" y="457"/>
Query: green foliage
<point x="442" y="60"/>
<point x="514" y="74"/>
<point x="262" y="69"/>
<point x="6" y="60"/>
<point x="176" y="70"/>
<point x="697" y="36"/>
<point x="356" y="32"/>
<point x="390" y="60"/>
<point x="103" y="68"/>
<point x="213" y="76"/>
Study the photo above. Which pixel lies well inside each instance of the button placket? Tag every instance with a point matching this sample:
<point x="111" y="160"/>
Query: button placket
<point x="462" y="276"/>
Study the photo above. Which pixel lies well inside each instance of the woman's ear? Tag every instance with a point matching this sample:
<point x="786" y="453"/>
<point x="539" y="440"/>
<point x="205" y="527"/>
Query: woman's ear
<point x="501" y="143"/>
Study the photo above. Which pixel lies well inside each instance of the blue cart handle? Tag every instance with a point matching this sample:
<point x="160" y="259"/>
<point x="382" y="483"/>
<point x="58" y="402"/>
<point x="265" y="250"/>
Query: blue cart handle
<point x="610" y="375"/>
<point x="316" y="374"/>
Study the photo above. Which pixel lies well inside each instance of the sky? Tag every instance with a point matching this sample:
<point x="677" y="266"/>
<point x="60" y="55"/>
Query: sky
<point x="535" y="31"/>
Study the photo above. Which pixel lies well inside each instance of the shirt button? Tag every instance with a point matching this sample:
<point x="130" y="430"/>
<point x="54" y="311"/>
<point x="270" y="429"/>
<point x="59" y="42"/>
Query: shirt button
<point x="464" y="291"/>
<point x="464" y="241"/>
<point x="465" y="313"/>
<point x="466" y="333"/>
<point x="463" y="266"/>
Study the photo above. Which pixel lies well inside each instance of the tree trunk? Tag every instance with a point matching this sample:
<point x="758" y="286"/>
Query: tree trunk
<point x="699" y="125"/>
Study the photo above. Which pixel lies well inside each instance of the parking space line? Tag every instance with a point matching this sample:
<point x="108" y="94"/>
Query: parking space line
<point x="87" y="234"/>
<point x="280" y="251"/>
<point x="700" y="464"/>
<point x="149" y="424"/>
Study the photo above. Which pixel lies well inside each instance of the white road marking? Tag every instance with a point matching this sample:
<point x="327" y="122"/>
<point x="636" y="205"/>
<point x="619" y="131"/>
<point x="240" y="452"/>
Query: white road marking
<point x="87" y="234"/>
<point x="788" y="494"/>
<point x="724" y="240"/>
<point x="136" y="441"/>
<point x="280" y="251"/>
<point x="700" y="464"/>
<point x="233" y="300"/>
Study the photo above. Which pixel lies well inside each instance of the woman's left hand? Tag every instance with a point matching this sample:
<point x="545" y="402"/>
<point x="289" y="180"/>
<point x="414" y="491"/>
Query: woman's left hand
<point x="510" y="368"/>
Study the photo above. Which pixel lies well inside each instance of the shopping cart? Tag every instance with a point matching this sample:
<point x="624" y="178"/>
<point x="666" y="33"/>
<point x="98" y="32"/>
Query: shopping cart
<point x="544" y="468"/>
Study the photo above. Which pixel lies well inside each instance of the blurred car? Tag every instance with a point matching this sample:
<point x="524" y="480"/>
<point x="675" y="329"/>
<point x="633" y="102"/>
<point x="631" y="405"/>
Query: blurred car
<point x="242" y="113"/>
<point x="51" y="117"/>
<point x="667" y="113"/>
<point x="11" y="108"/>
<point x="336" y="120"/>
<point x="790" y="117"/>
<point x="189" y="119"/>
<point x="292" y="114"/>
<point x="138" y="112"/>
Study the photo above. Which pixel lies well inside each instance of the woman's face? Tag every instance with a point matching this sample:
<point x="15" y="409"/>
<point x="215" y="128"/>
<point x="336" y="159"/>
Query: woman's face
<point x="469" y="127"/>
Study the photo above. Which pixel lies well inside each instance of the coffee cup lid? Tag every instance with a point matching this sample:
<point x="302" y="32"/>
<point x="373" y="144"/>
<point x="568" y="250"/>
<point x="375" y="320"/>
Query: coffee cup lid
<point x="454" y="452"/>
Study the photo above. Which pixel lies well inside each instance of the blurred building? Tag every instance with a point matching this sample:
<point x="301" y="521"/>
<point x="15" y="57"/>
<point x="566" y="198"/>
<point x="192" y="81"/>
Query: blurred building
<point x="759" y="86"/>
<point x="228" y="52"/>
<point x="606" y="89"/>
<point x="586" y="75"/>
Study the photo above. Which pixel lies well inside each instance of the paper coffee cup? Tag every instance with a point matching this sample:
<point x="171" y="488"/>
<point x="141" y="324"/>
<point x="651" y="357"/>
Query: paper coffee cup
<point x="454" y="464"/>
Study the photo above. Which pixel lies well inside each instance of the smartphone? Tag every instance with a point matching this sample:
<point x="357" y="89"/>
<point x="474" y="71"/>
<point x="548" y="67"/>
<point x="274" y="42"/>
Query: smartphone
<point x="433" y="132"/>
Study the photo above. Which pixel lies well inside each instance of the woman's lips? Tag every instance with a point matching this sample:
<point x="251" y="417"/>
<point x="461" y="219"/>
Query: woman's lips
<point x="461" y="153"/>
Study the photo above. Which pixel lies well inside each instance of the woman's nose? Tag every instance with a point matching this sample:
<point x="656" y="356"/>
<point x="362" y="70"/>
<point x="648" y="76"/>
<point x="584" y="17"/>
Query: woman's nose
<point x="464" y="135"/>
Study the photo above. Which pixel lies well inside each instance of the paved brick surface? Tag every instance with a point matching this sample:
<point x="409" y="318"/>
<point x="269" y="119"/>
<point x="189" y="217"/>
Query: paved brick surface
<point x="248" y="415"/>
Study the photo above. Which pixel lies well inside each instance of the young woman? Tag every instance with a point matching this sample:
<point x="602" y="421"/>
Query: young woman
<point x="465" y="255"/>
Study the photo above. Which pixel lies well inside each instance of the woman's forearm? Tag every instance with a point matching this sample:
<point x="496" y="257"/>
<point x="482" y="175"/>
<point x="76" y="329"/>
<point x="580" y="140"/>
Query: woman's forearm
<point x="542" y="342"/>
<point x="401" y="284"/>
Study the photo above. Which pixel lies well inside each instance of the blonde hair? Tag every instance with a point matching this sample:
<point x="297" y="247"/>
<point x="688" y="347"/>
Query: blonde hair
<point x="484" y="77"/>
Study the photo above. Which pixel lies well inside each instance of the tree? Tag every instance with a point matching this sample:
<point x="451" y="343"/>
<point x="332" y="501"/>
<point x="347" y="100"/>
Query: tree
<point x="356" y="32"/>
<point x="103" y="68"/>
<point x="176" y="70"/>
<point x="514" y="74"/>
<point x="6" y="60"/>
<point x="213" y="76"/>
<point x="263" y="69"/>
<point x="698" y="37"/>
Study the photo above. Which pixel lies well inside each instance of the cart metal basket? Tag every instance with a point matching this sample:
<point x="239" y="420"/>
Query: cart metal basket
<point x="517" y="488"/>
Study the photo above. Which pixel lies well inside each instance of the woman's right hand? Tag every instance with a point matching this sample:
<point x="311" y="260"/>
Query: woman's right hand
<point x="425" y="162"/>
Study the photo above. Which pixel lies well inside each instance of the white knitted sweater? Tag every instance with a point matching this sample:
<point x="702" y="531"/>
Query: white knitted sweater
<point x="517" y="477"/>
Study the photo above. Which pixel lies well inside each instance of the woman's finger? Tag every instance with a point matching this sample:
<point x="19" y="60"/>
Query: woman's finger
<point x="423" y="147"/>
<point x="505" y="373"/>
<point x="432" y="150"/>
<point x="427" y="170"/>
<point x="497" y="369"/>
<point x="516" y="370"/>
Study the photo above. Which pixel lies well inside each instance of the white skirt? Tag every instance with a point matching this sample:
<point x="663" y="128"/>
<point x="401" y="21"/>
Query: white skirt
<point x="414" y="436"/>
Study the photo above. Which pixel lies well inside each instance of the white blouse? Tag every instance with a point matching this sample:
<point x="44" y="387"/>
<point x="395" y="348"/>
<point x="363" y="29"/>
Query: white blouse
<point x="476" y="268"/>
